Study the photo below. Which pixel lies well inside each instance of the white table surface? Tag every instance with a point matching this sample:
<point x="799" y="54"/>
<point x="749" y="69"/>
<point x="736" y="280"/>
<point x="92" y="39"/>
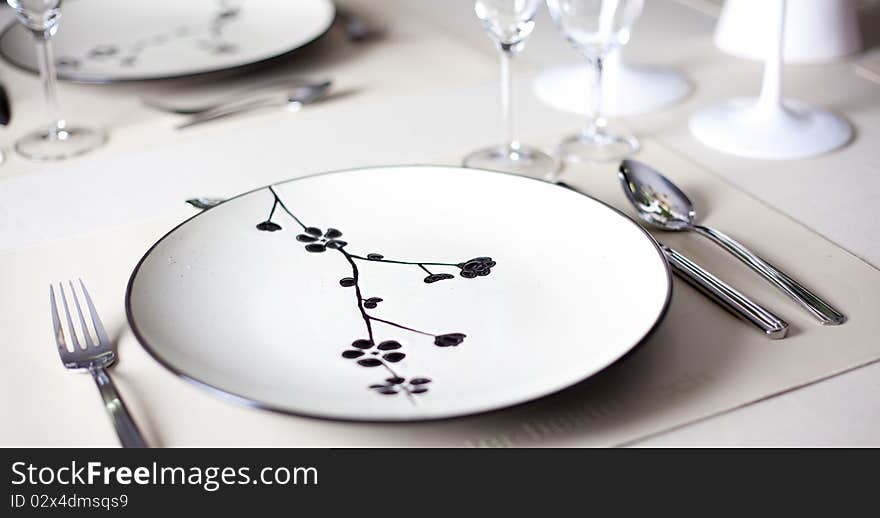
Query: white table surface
<point x="831" y="194"/>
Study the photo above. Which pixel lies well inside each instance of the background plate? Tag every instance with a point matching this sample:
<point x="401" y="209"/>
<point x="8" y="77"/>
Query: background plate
<point x="572" y="285"/>
<point x="100" y="41"/>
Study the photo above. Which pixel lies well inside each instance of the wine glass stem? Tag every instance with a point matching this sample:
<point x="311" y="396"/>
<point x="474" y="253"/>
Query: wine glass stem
<point x="507" y="120"/>
<point x="50" y="82"/>
<point x="596" y="122"/>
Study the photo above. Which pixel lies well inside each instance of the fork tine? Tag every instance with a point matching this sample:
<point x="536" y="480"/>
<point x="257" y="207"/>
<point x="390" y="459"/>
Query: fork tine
<point x="56" y="323"/>
<point x="103" y="339"/>
<point x="87" y="336"/>
<point x="73" y="337"/>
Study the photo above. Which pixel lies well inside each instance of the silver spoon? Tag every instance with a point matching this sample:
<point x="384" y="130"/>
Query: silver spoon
<point x="663" y="205"/>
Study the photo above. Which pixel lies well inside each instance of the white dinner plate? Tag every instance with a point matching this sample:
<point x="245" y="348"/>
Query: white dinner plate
<point x="100" y="41"/>
<point x="398" y="293"/>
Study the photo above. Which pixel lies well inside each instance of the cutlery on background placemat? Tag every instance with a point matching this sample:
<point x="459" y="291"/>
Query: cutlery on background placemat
<point x="93" y="356"/>
<point x="719" y="291"/>
<point x="5" y="109"/>
<point x="661" y="204"/>
<point x="293" y="99"/>
<point x="5" y="115"/>
<point x="236" y="95"/>
<point x="356" y="28"/>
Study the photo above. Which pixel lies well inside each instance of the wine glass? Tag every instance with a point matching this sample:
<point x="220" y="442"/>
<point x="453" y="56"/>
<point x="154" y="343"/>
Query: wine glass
<point x="509" y="23"/>
<point x="58" y="140"/>
<point x="595" y="28"/>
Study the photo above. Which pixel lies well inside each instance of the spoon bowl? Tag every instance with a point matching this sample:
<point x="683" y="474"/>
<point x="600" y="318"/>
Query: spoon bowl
<point x="659" y="202"/>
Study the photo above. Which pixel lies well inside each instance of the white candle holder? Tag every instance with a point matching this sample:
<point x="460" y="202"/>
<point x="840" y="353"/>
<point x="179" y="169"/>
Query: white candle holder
<point x="816" y="31"/>
<point x="770" y="127"/>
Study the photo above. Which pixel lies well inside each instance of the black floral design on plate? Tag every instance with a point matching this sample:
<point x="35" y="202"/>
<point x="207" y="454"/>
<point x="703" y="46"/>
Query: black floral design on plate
<point x="209" y="37"/>
<point x="477" y="267"/>
<point x="397" y="385"/>
<point x="369" y="357"/>
<point x="449" y="339"/>
<point x="372" y="302"/>
<point x="434" y="277"/>
<point x="318" y="241"/>
<point x="268" y="226"/>
<point x="67" y="62"/>
<point x="103" y="51"/>
<point x="367" y="352"/>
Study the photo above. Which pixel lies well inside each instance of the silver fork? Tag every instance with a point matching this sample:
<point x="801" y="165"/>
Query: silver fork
<point x="255" y="90"/>
<point x="94" y="357"/>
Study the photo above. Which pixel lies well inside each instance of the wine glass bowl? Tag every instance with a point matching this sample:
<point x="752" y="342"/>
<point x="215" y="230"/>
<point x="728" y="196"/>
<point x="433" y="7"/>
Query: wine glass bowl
<point x="58" y="140"/>
<point x="594" y="28"/>
<point x="509" y="23"/>
<point x="37" y="15"/>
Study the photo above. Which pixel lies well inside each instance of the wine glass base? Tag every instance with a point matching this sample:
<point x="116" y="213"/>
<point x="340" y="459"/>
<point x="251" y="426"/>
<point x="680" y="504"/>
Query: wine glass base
<point x="600" y="147"/>
<point x="626" y="90"/>
<point x="795" y="130"/>
<point x="523" y="160"/>
<point x="42" y="146"/>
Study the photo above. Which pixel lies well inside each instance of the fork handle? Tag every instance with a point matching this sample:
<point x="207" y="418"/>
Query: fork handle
<point x="126" y="429"/>
<point x="239" y="108"/>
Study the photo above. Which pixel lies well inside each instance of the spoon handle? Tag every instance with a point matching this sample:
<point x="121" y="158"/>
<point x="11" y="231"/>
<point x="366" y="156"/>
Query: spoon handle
<point x="821" y="310"/>
<point x="726" y="296"/>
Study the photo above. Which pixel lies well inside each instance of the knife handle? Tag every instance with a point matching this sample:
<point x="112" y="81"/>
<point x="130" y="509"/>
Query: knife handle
<point x="726" y="296"/>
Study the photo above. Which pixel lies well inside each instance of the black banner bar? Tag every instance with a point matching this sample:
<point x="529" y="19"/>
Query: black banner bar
<point x="42" y="482"/>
